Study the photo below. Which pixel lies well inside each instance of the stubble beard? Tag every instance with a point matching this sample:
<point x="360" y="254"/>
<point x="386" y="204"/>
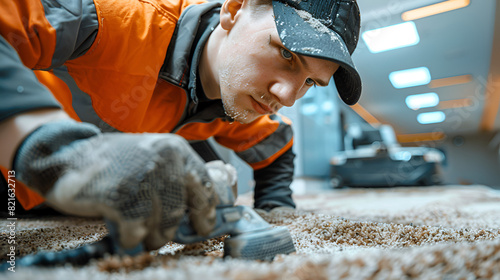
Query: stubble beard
<point x="232" y="110"/>
<point x="229" y="97"/>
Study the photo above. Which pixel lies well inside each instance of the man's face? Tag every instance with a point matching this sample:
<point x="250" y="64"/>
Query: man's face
<point x="257" y="75"/>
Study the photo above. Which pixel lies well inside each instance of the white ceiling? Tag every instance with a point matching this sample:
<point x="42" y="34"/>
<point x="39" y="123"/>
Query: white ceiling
<point x="454" y="43"/>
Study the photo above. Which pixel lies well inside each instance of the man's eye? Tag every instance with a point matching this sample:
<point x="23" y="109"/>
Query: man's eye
<point x="310" y="82"/>
<point x="286" y="54"/>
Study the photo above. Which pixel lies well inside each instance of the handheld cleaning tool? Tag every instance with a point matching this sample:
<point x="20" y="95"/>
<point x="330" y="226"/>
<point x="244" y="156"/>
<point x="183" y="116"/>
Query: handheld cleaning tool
<point x="250" y="236"/>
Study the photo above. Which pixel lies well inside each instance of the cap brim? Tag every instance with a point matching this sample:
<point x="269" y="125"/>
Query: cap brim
<point x="302" y="34"/>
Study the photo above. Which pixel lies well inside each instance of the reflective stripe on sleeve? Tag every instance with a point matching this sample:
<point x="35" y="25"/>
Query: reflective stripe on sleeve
<point x="76" y="24"/>
<point x="81" y="102"/>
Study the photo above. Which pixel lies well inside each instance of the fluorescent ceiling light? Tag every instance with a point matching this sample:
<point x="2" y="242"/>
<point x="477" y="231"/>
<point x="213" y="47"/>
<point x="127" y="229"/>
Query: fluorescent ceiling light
<point x="391" y="37"/>
<point x="431" y="117"/>
<point x="309" y="109"/>
<point x="423" y="100"/>
<point x="410" y="77"/>
<point x="327" y="106"/>
<point x="434" y="9"/>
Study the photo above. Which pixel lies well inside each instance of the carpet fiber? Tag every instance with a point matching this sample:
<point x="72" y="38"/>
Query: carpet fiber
<point x="449" y="232"/>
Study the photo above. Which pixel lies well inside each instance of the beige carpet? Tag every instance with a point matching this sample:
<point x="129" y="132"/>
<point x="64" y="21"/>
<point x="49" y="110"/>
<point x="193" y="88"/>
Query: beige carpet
<point x="450" y="232"/>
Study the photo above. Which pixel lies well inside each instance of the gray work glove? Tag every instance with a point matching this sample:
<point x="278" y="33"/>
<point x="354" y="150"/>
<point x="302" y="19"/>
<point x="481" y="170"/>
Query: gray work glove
<point x="142" y="183"/>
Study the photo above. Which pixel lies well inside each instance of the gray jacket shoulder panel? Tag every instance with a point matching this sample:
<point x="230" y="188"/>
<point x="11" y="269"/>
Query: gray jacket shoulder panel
<point x="76" y="25"/>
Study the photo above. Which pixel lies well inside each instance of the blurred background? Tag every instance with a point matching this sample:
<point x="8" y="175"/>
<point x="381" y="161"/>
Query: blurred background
<point x="431" y="83"/>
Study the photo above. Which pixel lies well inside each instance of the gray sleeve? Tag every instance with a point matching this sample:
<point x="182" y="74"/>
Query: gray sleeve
<point x="76" y="25"/>
<point x="20" y="90"/>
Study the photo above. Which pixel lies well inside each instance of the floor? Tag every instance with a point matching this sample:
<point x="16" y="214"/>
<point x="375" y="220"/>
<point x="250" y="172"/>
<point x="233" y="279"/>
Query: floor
<point x="441" y="232"/>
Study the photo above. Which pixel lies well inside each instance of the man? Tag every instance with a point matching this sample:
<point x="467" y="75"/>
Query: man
<point x="127" y="69"/>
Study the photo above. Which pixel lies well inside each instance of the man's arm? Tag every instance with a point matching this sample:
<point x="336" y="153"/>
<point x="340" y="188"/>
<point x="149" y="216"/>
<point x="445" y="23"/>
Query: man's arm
<point x="266" y="145"/>
<point x="272" y="183"/>
<point x="36" y="35"/>
<point x="25" y="105"/>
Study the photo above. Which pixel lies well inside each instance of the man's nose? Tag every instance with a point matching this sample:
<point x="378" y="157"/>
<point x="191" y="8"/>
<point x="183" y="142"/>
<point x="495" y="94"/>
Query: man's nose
<point x="287" y="91"/>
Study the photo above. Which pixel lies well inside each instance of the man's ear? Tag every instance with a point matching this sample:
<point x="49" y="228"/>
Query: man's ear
<point x="229" y="13"/>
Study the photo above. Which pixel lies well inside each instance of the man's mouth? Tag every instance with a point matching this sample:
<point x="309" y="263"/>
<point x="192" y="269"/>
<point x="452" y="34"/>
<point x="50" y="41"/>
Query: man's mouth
<point x="261" y="108"/>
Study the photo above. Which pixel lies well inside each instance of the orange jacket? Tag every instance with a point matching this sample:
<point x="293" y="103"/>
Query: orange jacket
<point x="129" y="78"/>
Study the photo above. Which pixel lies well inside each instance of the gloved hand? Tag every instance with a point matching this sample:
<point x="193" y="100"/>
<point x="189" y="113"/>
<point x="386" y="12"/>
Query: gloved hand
<point x="142" y="183"/>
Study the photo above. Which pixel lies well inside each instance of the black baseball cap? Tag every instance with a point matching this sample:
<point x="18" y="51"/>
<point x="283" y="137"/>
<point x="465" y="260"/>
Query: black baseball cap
<point x="326" y="29"/>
